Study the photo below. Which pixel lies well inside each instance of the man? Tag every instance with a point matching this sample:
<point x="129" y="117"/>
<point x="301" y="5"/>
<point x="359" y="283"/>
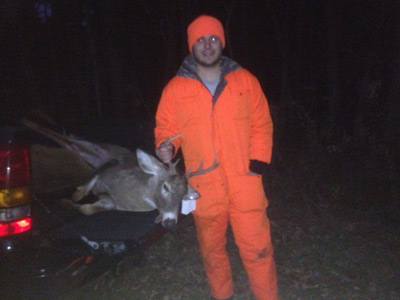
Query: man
<point x="219" y="108"/>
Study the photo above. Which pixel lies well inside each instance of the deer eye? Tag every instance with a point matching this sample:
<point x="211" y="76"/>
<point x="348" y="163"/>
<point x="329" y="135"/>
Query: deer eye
<point x="165" y="188"/>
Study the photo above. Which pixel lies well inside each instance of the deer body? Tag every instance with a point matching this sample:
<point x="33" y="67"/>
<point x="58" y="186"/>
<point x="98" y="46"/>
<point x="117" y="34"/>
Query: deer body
<point x="127" y="181"/>
<point x="146" y="187"/>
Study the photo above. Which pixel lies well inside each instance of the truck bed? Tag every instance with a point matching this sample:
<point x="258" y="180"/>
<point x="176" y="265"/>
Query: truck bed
<point x="66" y="248"/>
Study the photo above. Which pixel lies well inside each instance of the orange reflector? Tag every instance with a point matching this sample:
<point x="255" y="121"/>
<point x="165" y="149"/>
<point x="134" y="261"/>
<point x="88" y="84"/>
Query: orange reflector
<point x="11" y="197"/>
<point x="15" y="227"/>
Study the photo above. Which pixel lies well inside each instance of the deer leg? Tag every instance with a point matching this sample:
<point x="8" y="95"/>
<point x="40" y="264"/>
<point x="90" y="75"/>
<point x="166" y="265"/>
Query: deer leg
<point x="104" y="203"/>
<point x="84" y="190"/>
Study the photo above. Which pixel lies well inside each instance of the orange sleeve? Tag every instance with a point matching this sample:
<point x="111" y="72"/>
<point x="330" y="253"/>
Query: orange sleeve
<point x="261" y="126"/>
<point x="166" y="119"/>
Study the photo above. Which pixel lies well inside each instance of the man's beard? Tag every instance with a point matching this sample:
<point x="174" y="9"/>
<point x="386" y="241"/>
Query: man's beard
<point x="207" y="64"/>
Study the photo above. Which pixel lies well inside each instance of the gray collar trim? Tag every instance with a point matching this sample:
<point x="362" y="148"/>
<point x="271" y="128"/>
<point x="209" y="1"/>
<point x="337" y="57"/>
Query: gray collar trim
<point x="188" y="67"/>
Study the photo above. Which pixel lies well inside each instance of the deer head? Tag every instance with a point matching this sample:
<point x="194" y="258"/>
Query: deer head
<point x="169" y="186"/>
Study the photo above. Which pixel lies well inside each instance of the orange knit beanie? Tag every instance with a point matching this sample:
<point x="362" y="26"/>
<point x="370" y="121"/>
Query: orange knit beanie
<point x="205" y="25"/>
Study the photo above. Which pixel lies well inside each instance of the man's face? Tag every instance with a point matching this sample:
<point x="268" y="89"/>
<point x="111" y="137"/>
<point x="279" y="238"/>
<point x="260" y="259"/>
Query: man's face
<point x="207" y="50"/>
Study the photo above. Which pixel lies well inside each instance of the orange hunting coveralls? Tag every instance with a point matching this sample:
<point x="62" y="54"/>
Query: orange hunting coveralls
<point x="235" y="123"/>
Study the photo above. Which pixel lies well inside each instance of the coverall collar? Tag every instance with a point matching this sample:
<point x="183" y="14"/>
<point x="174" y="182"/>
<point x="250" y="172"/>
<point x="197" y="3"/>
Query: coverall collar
<point x="188" y="67"/>
<point x="188" y="70"/>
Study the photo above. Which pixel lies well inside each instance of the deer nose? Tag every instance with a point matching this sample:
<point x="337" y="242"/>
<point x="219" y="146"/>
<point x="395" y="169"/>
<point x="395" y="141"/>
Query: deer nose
<point x="169" y="224"/>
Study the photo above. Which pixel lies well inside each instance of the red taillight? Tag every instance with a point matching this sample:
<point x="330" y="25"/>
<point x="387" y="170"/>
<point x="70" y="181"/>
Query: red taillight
<point x="15" y="182"/>
<point x="14" y="165"/>
<point x="15" y="174"/>
<point x="15" y="227"/>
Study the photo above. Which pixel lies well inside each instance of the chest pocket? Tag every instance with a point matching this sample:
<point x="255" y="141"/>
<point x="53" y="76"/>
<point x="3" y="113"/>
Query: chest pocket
<point x="238" y="105"/>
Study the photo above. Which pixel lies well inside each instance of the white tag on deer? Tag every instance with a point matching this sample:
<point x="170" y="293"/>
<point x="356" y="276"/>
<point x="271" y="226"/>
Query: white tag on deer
<point x="188" y="205"/>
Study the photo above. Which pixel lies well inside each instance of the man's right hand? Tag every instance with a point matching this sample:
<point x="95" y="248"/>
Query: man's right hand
<point x="165" y="153"/>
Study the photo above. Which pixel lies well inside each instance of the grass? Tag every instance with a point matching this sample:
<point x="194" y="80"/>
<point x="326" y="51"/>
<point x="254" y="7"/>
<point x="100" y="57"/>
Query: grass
<point x="335" y="229"/>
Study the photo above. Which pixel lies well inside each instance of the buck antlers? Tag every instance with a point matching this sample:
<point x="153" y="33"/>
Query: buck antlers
<point x="200" y="169"/>
<point x="169" y="140"/>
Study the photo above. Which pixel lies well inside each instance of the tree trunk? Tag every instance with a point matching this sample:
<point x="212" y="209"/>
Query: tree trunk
<point x="230" y="14"/>
<point x="284" y="40"/>
<point x="392" y="127"/>
<point x="115" y="100"/>
<point x="17" y="96"/>
<point x="93" y="56"/>
<point x="332" y="125"/>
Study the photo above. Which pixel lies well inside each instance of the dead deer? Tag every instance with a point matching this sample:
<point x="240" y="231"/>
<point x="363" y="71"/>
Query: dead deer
<point x="151" y="185"/>
<point x="120" y="184"/>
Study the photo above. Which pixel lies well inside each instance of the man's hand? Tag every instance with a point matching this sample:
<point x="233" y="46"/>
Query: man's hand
<point x="165" y="152"/>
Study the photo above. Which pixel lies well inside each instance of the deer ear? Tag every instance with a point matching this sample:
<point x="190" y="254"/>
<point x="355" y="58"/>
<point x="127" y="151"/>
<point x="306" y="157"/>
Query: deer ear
<point x="148" y="163"/>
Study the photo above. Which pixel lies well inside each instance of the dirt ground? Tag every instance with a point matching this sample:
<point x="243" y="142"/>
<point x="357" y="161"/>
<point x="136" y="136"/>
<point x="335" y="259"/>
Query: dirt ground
<point x="335" y="223"/>
<point x="331" y="242"/>
<point x="351" y="260"/>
